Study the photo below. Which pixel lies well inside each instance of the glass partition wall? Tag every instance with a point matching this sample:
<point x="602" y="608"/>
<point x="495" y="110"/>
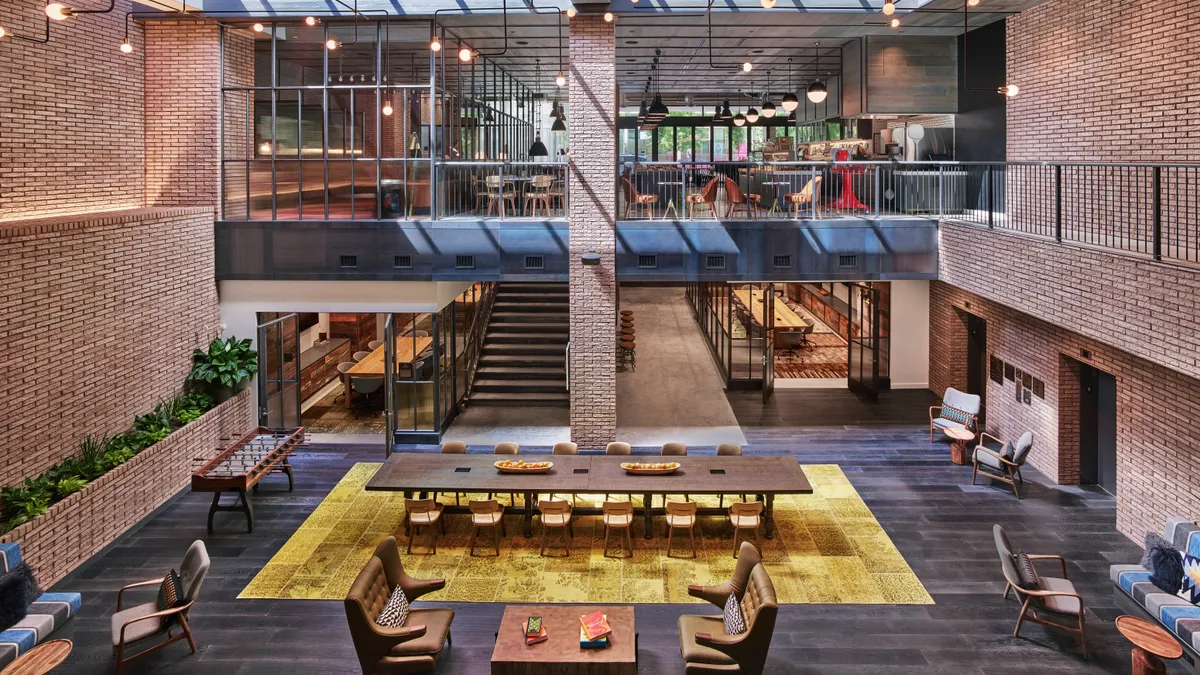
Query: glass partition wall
<point x="430" y="360"/>
<point x="358" y="132"/>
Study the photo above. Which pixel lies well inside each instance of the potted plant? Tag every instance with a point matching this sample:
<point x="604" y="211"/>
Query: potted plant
<point x="226" y="368"/>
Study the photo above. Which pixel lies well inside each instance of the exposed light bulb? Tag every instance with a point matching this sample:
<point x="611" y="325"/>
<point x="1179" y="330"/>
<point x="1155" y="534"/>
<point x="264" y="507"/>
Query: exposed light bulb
<point x="571" y="12"/>
<point x="560" y="80"/>
<point x="747" y="67"/>
<point x="3" y="31"/>
<point x="331" y="44"/>
<point x="768" y="4"/>
<point x="894" y="23"/>
<point x="973" y="3"/>
<point x="126" y="47"/>
<point x="889" y="7"/>
<point x="310" y="20"/>
<point x="58" y="11"/>
<point x="435" y="45"/>
<point x="1009" y="90"/>
<point x="464" y="54"/>
<point x="387" y="108"/>
<point x="608" y="16"/>
<point x="258" y="28"/>
<point x="265" y="148"/>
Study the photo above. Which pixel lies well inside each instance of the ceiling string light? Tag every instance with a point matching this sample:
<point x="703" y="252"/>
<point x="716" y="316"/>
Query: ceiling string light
<point x="790" y="102"/>
<point x="767" y="4"/>
<point x="768" y="108"/>
<point x="609" y="16"/>
<point x="894" y="23"/>
<point x="464" y="54"/>
<point x="258" y="28"/>
<point x="561" y="80"/>
<point x="889" y="7"/>
<point x="817" y="90"/>
<point x="571" y="12"/>
<point x="1009" y="90"/>
<point x="311" y="20"/>
<point x="435" y="45"/>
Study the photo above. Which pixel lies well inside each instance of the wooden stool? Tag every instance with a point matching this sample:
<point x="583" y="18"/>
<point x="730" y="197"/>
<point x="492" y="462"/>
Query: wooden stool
<point x="627" y="312"/>
<point x="627" y="323"/>
<point x="627" y="353"/>
<point x="627" y="333"/>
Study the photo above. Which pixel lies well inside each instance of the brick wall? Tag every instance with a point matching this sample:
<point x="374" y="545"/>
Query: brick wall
<point x="102" y="312"/>
<point x="1158" y="469"/>
<point x="1098" y="83"/>
<point x="79" y="526"/>
<point x="71" y="133"/>
<point x="592" y="126"/>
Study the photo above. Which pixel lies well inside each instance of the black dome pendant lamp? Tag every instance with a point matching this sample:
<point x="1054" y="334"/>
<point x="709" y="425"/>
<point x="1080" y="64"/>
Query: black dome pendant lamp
<point x="538" y="149"/>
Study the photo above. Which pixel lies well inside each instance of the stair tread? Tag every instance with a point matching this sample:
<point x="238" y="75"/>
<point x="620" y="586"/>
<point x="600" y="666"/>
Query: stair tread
<point x="546" y="371"/>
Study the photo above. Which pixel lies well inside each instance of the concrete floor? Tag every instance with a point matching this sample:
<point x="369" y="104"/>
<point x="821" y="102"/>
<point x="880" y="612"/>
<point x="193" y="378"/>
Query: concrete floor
<point x="488" y="425"/>
<point x="677" y="392"/>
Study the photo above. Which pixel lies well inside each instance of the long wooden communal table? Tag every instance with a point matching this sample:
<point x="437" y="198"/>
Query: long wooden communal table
<point x="765" y="476"/>
<point x="785" y="317"/>
<point x="408" y="348"/>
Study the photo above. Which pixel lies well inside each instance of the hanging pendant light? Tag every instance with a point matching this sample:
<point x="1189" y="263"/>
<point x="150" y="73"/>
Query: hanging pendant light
<point x="717" y="119"/>
<point x="641" y="117"/>
<point x="752" y="115"/>
<point x="739" y="119"/>
<point x="554" y="110"/>
<point x="726" y="113"/>
<point x="768" y="108"/>
<point x="790" y="102"/>
<point x="560" y="123"/>
<point x="538" y="148"/>
<point x="817" y="91"/>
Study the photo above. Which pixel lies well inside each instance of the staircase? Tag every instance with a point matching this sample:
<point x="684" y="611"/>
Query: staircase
<point x="523" y="359"/>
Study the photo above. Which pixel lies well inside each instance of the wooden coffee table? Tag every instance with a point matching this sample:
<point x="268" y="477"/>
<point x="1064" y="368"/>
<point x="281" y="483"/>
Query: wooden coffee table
<point x="961" y="436"/>
<point x="39" y="660"/>
<point x="1149" y="644"/>
<point x="561" y="654"/>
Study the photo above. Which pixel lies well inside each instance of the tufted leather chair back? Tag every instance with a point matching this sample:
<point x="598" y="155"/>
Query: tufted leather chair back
<point x="367" y="597"/>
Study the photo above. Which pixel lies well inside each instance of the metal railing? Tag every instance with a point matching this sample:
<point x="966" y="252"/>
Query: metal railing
<point x="502" y="190"/>
<point x="1147" y="209"/>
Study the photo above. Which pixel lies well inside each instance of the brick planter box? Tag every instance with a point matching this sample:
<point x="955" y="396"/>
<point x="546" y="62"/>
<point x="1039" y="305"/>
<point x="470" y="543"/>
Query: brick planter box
<point x="76" y="528"/>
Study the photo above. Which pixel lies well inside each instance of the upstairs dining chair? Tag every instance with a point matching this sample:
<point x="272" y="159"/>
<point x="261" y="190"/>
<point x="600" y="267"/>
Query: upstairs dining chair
<point x="620" y="449"/>
<point x="809" y="195"/>
<point x="538" y="193"/>
<point x="506" y="448"/>
<point x="375" y="344"/>
<point x="634" y="200"/>
<point x="747" y="202"/>
<point x="706" y="199"/>
<point x="366" y="386"/>
<point x="359" y="356"/>
<point x="746" y="516"/>
<point x="556" y="513"/>
<point x="343" y="368"/>
<point x="424" y="513"/>
<point x="729" y="450"/>
<point x="486" y="513"/>
<point x="681" y="516"/>
<point x="142" y="622"/>
<point x="453" y="448"/>
<point x="500" y="192"/>
<point x="618" y="515"/>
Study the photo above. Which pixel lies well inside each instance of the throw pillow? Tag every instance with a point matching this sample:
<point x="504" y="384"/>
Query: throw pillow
<point x="1027" y="573"/>
<point x="1166" y="568"/>
<point x="395" y="612"/>
<point x="1152" y="539"/>
<point x="1006" y="451"/>
<point x="18" y="590"/>
<point x="954" y="415"/>
<point x="169" y="594"/>
<point x="735" y="624"/>
<point x="1191" y="579"/>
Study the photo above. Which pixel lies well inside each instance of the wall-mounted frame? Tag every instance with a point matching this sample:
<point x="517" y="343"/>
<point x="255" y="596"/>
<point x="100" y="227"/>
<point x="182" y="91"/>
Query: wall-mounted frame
<point x="1009" y="372"/>
<point x="996" y="369"/>
<point x="1039" y="388"/>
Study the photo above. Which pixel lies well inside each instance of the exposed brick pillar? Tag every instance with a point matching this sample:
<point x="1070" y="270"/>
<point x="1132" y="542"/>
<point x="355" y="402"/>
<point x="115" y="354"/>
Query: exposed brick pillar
<point x="591" y="122"/>
<point x="183" y="109"/>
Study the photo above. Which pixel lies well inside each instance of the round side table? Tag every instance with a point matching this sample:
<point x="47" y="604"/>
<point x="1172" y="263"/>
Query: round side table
<point x="40" y="660"/>
<point x="961" y="436"/>
<point x="1151" y="644"/>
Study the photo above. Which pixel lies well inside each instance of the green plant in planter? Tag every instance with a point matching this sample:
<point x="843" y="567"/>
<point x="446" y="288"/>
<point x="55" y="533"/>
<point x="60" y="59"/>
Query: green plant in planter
<point x="68" y="486"/>
<point x="228" y="363"/>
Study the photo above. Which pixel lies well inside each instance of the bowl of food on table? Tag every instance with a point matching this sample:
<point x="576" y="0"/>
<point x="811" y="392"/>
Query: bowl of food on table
<point x="521" y="466"/>
<point x="650" y="468"/>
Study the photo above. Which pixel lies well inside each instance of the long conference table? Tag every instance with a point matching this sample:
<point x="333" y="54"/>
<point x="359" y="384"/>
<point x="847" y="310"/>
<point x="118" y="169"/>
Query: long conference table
<point x="408" y="348"/>
<point x="764" y="476"/>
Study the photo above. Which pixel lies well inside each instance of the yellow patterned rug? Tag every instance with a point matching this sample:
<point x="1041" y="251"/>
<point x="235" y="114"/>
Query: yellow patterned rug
<point x="828" y="548"/>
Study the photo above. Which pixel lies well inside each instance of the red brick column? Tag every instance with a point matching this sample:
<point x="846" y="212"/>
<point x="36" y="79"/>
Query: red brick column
<point x="591" y="120"/>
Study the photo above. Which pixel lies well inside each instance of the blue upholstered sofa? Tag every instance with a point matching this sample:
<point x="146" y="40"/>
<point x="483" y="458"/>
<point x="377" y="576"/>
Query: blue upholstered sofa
<point x="1137" y="596"/>
<point x="49" y="612"/>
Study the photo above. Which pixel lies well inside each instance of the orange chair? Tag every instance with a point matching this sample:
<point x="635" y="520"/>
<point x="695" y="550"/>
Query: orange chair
<point x="707" y="199"/>
<point x="635" y="200"/>
<point x="740" y="200"/>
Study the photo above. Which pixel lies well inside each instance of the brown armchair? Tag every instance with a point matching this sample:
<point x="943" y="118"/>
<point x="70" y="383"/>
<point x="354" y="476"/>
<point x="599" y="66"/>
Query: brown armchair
<point x="411" y="648"/>
<point x="706" y="647"/>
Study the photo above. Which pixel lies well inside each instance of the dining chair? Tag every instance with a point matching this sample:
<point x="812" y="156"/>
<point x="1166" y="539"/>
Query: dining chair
<point x="681" y="515"/>
<point x="420" y="333"/>
<point x="618" y="515"/>
<point x="747" y="202"/>
<point x="675" y="450"/>
<point x="424" y="513"/>
<point x="616" y="448"/>
<point x="557" y="194"/>
<point x="374" y="344"/>
<point x="565" y="448"/>
<point x="365" y="385"/>
<point x="359" y="356"/>
<point x="538" y="193"/>
<point x="343" y="368"/>
<point x="705" y="199"/>
<point x="746" y="516"/>
<point x="556" y="513"/>
<point x="635" y="200"/>
<point x="505" y="448"/>
<point x="500" y="192"/>
<point x="453" y="448"/>
<point x="729" y="450"/>
<point x="486" y="513"/>
<point x="810" y="195"/>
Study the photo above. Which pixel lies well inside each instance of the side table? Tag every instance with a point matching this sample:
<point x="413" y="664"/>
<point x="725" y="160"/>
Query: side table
<point x="1151" y="644"/>
<point x="961" y="436"/>
<point x="40" y="660"/>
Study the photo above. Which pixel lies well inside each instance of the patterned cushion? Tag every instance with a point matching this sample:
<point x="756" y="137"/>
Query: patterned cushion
<point x="1190" y="589"/>
<point x="955" y="415"/>
<point x="49" y="612"/>
<point x="1027" y="572"/>
<point x="396" y="611"/>
<point x="734" y="623"/>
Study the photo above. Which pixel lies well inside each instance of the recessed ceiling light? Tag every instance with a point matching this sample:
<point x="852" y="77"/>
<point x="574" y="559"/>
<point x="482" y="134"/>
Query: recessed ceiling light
<point x="630" y="60"/>
<point x="631" y="42"/>
<point x="522" y="42"/>
<point x="758" y="51"/>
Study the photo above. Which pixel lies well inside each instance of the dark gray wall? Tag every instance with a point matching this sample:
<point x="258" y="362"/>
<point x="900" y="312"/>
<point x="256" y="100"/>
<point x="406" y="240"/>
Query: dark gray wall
<point x="980" y="127"/>
<point x="910" y="74"/>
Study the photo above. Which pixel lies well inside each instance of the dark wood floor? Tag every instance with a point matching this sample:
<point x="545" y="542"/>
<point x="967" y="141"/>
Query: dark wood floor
<point x="939" y="522"/>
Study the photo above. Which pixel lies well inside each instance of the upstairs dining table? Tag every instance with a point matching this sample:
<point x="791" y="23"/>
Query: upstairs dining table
<point x="408" y="349"/>
<point x="786" y="319"/>
<point x="765" y="476"/>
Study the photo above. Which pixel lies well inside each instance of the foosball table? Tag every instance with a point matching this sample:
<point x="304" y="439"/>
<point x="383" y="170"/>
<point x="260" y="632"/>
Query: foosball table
<point x="241" y="466"/>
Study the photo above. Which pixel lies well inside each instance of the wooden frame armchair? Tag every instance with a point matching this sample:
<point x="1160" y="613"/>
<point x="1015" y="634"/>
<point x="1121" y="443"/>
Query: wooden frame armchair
<point x="997" y="466"/>
<point x="706" y="648"/>
<point x="411" y="648"/>
<point x="958" y="409"/>
<point x="141" y="622"/>
<point x="1053" y="596"/>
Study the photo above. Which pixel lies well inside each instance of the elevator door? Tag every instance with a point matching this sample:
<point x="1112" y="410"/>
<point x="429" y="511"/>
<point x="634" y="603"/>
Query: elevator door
<point x="1097" y="429"/>
<point x="977" y="359"/>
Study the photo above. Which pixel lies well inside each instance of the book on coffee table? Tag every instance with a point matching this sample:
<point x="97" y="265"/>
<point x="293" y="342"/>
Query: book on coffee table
<point x="595" y="626"/>
<point x="585" y="643"/>
<point x="539" y="636"/>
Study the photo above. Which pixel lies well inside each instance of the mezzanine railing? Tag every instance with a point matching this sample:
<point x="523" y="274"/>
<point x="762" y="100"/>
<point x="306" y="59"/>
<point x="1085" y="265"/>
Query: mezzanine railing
<point x="1147" y="209"/>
